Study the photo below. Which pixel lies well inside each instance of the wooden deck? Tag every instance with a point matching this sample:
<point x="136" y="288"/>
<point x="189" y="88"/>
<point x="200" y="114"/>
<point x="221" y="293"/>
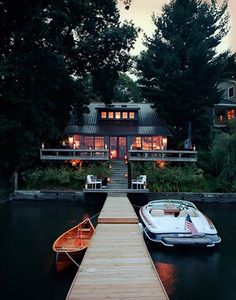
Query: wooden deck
<point x="117" y="264"/>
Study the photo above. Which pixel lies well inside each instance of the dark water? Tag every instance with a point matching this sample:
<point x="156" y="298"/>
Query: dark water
<point x="27" y="269"/>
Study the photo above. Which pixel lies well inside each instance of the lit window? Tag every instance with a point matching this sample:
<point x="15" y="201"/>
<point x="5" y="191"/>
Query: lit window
<point x="111" y="115"/>
<point x="125" y="115"/>
<point x="99" y="142"/>
<point x="231" y="92"/>
<point x="89" y="142"/>
<point x="231" y="114"/>
<point x="136" y="143"/>
<point x="118" y="115"/>
<point x="147" y="143"/>
<point x="103" y="115"/>
<point x="131" y="115"/>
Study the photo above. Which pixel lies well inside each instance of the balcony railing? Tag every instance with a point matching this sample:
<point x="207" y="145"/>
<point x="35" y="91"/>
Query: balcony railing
<point x="74" y="154"/>
<point x="220" y="121"/>
<point x="163" y="155"/>
<point x="133" y="155"/>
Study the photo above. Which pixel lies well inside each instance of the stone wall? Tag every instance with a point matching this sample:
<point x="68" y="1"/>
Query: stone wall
<point x="196" y="197"/>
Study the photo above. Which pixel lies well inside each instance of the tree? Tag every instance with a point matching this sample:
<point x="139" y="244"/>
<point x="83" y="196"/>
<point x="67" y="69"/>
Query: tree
<point x="127" y="90"/>
<point x="101" y="45"/>
<point x="223" y="158"/>
<point x="181" y="68"/>
<point x="49" y="52"/>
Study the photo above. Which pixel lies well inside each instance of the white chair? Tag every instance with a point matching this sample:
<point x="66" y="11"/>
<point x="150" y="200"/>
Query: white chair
<point x="93" y="182"/>
<point x="140" y="182"/>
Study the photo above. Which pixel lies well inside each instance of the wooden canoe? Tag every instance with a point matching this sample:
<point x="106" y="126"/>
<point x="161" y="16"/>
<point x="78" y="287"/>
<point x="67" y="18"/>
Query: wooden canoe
<point x="72" y="243"/>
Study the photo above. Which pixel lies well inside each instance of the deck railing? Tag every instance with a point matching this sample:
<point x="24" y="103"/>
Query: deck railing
<point x="133" y="155"/>
<point x="74" y="154"/>
<point x="163" y="155"/>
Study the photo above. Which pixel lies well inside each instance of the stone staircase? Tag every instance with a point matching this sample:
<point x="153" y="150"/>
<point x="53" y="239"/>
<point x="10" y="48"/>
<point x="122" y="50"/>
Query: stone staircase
<point x="118" y="179"/>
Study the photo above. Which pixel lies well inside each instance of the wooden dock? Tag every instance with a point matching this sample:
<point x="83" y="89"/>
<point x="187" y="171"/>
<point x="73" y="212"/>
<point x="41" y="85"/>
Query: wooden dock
<point x="117" y="264"/>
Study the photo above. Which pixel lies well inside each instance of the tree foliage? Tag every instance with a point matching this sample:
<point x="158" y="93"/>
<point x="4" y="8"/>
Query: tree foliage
<point x="126" y="90"/>
<point x="49" y="52"/>
<point x="181" y="68"/>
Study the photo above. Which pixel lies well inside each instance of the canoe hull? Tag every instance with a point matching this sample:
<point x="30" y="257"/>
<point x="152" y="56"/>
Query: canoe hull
<point x="72" y="244"/>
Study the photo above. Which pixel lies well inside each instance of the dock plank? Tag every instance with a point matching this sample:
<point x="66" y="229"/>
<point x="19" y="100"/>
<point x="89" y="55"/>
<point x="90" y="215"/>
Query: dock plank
<point x="117" y="210"/>
<point x="117" y="264"/>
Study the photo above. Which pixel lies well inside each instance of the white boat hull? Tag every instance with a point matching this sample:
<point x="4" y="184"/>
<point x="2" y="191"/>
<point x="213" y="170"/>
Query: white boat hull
<point x="169" y="227"/>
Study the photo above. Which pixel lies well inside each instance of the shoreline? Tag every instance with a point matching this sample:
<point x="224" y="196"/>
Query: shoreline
<point x="74" y="196"/>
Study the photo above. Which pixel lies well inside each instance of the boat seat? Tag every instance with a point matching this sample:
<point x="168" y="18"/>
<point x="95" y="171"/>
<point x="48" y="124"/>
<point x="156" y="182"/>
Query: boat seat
<point x="192" y="213"/>
<point x="183" y="213"/>
<point x="157" y="212"/>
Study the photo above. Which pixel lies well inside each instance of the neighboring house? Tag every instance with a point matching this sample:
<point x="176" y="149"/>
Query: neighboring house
<point x="119" y="127"/>
<point x="226" y="108"/>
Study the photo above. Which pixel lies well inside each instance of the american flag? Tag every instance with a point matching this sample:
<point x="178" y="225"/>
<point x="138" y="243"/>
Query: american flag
<point x="190" y="226"/>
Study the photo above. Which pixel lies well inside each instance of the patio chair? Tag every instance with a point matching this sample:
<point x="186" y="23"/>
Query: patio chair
<point x="140" y="182"/>
<point x="93" y="182"/>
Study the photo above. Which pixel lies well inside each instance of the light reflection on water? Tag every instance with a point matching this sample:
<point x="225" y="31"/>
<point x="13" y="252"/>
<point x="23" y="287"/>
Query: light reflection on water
<point x="196" y="273"/>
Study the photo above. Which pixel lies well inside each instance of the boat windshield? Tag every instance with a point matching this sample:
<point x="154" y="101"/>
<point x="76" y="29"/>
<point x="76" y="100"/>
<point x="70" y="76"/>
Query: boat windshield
<point x="170" y="203"/>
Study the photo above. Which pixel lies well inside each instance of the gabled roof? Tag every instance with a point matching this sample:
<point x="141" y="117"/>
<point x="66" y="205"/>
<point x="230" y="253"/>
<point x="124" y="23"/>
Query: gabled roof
<point x="148" y="124"/>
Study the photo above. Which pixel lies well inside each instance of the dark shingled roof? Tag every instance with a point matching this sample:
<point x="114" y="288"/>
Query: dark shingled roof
<point x="148" y="124"/>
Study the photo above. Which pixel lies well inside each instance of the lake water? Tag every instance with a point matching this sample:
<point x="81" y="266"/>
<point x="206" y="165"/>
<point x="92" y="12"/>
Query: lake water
<point x="28" y="272"/>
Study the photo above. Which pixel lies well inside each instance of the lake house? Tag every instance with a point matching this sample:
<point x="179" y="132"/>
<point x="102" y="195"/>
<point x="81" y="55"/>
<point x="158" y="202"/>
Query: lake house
<point x="119" y="131"/>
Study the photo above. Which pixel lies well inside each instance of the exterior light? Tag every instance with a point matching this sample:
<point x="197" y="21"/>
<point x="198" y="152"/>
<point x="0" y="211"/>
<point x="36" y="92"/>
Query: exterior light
<point x="194" y="148"/>
<point x="42" y="145"/>
<point x="71" y="140"/>
<point x="164" y="141"/>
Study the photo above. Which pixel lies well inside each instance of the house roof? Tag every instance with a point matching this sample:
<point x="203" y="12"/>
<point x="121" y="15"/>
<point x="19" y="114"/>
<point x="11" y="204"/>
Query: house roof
<point x="148" y="123"/>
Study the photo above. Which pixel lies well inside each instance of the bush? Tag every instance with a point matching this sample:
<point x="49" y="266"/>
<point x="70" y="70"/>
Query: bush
<point x="171" y="179"/>
<point x="63" y="177"/>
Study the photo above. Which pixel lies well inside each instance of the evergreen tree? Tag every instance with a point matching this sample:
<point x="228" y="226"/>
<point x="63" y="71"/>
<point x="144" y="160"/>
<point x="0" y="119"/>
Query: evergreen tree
<point x="127" y="90"/>
<point x="180" y="69"/>
<point x="49" y="52"/>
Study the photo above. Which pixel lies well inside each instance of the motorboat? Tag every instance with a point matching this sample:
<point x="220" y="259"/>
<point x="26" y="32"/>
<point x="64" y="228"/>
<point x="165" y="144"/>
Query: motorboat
<point x="72" y="243"/>
<point x="176" y="222"/>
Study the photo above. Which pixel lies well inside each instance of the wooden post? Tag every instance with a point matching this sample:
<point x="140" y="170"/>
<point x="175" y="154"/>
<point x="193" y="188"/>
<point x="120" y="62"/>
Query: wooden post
<point x="16" y="180"/>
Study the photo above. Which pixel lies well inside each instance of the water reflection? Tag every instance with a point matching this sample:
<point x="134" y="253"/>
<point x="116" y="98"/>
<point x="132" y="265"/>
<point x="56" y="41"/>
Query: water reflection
<point x="167" y="273"/>
<point x="27" y="261"/>
<point x="196" y="273"/>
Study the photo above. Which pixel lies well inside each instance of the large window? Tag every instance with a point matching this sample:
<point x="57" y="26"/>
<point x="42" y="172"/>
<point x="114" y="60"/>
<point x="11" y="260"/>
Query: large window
<point x="230" y="114"/>
<point x="148" y="143"/>
<point x="99" y="142"/>
<point x="89" y="142"/>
